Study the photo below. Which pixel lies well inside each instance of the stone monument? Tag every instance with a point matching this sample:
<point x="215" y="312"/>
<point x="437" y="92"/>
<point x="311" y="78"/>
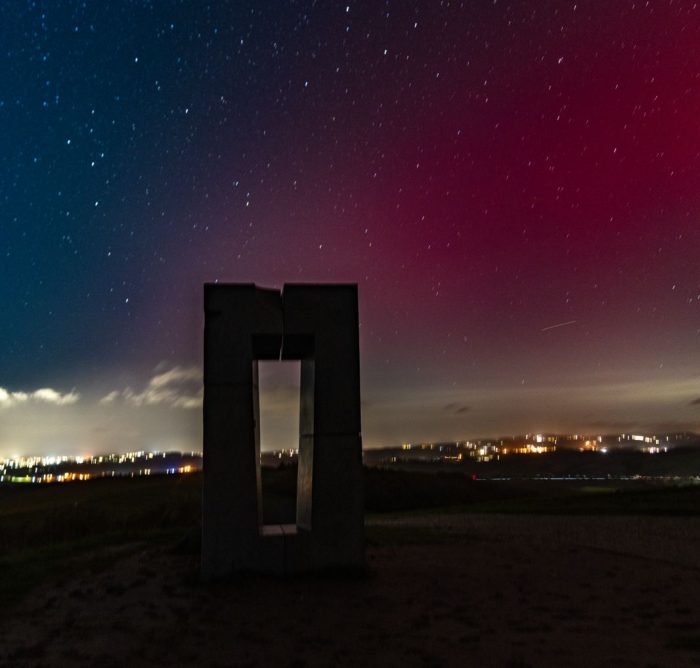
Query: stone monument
<point x="318" y="325"/>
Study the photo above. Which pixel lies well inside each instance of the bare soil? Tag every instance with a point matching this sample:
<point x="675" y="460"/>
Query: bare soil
<point x="441" y="590"/>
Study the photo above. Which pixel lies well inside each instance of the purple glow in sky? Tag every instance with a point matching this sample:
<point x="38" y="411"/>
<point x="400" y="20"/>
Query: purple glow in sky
<point x="514" y="188"/>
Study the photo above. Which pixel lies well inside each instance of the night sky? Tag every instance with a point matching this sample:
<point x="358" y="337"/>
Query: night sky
<point x="514" y="186"/>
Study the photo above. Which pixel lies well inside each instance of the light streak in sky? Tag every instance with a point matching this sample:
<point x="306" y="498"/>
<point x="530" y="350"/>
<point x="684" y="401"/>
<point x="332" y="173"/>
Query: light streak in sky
<point x="559" y="324"/>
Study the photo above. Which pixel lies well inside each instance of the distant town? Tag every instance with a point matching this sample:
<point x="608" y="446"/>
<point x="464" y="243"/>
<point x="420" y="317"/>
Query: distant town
<point x="61" y="469"/>
<point x="489" y="450"/>
<point x="533" y="455"/>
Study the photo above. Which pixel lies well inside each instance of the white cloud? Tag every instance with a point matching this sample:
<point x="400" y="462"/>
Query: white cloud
<point x="179" y="387"/>
<point x="177" y="375"/>
<point x="189" y="402"/>
<point x="45" y="395"/>
<point x="110" y="398"/>
<point x="50" y="396"/>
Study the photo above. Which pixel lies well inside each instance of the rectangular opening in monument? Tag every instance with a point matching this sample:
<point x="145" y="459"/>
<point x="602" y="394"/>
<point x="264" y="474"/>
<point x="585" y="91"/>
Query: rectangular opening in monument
<point x="278" y="386"/>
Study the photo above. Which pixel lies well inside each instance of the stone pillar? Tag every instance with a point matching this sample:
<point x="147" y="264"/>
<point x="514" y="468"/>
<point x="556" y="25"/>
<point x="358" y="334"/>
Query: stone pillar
<point x="242" y="325"/>
<point x="321" y="329"/>
<point x="317" y="324"/>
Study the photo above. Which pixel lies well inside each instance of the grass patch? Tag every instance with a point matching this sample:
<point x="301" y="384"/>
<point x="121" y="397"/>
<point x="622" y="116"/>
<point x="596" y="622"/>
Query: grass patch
<point x="50" y="532"/>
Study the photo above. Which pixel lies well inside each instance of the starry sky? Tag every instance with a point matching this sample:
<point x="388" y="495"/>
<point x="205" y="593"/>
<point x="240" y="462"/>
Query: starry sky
<point x="514" y="186"/>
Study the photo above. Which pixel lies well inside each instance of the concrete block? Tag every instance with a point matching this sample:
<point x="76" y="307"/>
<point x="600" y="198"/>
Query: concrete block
<point x="231" y="489"/>
<point x="321" y="322"/>
<point x="305" y="477"/>
<point x="317" y="324"/>
<point x="242" y="323"/>
<point x="337" y="502"/>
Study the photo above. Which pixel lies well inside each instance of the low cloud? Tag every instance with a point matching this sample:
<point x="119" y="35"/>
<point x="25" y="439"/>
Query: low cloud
<point x="110" y="398"/>
<point x="177" y="376"/>
<point x="44" y="395"/>
<point x="456" y="408"/>
<point x="179" y="387"/>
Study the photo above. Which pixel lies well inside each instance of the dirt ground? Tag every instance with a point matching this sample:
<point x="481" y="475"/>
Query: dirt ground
<point x="472" y="590"/>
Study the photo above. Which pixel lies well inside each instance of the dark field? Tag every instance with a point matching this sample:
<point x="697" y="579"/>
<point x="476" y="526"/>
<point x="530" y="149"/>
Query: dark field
<point x="499" y="573"/>
<point x="56" y="525"/>
<point x="680" y="461"/>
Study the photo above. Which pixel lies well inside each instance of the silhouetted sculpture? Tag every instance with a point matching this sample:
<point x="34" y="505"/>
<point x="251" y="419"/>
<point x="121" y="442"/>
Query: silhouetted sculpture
<point x="317" y="324"/>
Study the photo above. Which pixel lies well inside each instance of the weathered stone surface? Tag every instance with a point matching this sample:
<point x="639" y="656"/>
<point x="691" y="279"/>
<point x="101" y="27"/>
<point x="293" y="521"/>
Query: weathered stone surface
<point x="317" y="324"/>
<point x="321" y="323"/>
<point x="242" y="323"/>
<point x="231" y="490"/>
<point x="335" y="510"/>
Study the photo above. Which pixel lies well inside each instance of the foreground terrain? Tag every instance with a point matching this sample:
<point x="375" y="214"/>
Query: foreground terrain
<point x="441" y="589"/>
